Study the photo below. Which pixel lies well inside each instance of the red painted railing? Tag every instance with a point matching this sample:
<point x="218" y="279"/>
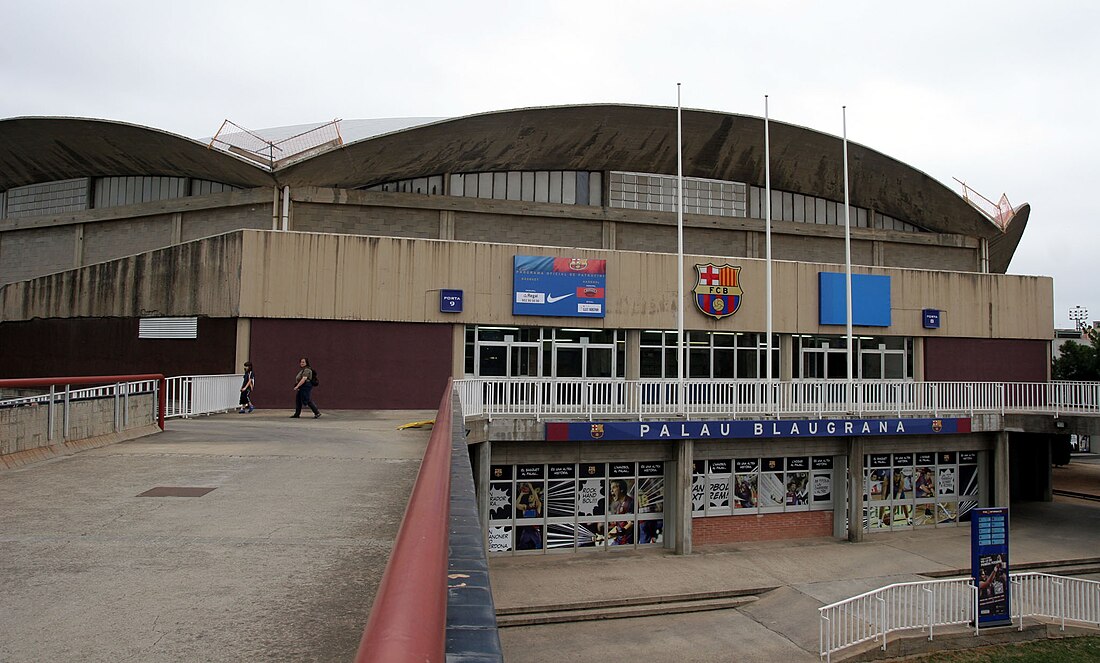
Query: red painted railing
<point x="32" y="383"/>
<point x="409" y="618"/>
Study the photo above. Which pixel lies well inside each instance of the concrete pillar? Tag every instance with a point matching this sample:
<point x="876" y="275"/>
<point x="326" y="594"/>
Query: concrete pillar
<point x="244" y="344"/>
<point x="1001" y="482"/>
<point x="855" y="489"/>
<point x="840" y="497"/>
<point x="681" y="493"/>
<point x="446" y="224"/>
<point x="633" y="369"/>
<point x="78" y="245"/>
<point x="177" y="228"/>
<point x="610" y="235"/>
<point x="918" y="359"/>
<point x="458" y="351"/>
<point x="786" y="360"/>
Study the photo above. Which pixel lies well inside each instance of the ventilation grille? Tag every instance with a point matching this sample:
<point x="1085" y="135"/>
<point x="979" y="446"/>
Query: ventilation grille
<point x="168" y="328"/>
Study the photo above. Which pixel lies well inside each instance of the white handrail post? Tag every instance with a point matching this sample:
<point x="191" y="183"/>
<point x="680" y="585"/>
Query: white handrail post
<point x="65" y="416"/>
<point x="51" y="413"/>
<point x="970" y="398"/>
<point x="118" y="413"/>
<point x="974" y="603"/>
<point x="931" y="611"/>
<point x="883" y="624"/>
<point x="1062" y="601"/>
<point x="1002" y="395"/>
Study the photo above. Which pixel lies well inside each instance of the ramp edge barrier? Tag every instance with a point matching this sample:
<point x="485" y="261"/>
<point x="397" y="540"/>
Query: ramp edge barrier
<point x="32" y="383"/>
<point x="409" y="616"/>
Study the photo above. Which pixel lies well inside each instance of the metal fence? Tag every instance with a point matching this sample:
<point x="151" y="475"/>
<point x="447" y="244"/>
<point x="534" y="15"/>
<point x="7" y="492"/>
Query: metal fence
<point x="191" y="395"/>
<point x="59" y="396"/>
<point x="591" y="398"/>
<point x="924" y="606"/>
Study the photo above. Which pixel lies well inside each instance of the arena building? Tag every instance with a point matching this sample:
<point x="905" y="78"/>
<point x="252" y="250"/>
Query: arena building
<point x="532" y="255"/>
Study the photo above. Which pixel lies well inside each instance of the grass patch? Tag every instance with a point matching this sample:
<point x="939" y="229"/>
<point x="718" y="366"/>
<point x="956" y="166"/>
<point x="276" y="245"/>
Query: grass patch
<point x="1065" y="650"/>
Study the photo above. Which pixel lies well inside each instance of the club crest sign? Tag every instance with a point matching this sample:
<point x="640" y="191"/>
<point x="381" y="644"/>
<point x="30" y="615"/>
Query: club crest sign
<point x="717" y="292"/>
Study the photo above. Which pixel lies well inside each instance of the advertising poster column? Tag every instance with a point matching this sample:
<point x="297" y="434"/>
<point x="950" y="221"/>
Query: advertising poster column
<point x="989" y="565"/>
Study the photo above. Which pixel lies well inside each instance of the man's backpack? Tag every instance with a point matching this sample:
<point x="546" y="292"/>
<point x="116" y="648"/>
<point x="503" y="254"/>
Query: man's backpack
<point x="313" y="380"/>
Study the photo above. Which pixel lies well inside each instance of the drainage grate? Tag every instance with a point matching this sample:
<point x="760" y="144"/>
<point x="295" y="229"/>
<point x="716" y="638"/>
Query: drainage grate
<point x="176" y="491"/>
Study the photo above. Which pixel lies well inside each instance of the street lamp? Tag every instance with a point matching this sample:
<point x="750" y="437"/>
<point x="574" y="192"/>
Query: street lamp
<point x="1079" y="315"/>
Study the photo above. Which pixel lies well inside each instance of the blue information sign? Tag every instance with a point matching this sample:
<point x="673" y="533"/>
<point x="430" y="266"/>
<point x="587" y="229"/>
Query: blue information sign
<point x="450" y="301"/>
<point x="931" y="318"/>
<point x="989" y="565"/>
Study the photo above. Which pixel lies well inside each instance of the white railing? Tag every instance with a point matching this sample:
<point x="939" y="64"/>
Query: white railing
<point x="923" y="606"/>
<point x="901" y="606"/>
<point x="190" y="395"/>
<point x="591" y="398"/>
<point x="1055" y="597"/>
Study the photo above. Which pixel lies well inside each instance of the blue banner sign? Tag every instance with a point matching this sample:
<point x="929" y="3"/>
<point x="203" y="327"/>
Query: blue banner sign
<point x="563" y="287"/>
<point x="729" y="430"/>
<point x="989" y="565"/>
<point x="870" y="299"/>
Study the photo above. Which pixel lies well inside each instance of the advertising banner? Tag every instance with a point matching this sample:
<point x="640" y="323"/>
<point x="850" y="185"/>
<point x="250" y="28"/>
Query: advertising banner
<point x="989" y="565"/>
<point x="561" y="287"/>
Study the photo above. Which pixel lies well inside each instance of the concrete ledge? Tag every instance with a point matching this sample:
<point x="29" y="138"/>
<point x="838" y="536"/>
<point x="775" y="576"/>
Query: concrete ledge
<point x="69" y="447"/>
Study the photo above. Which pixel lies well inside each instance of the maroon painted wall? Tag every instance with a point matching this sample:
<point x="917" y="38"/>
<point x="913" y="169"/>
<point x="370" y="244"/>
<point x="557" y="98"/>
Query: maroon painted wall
<point x="110" y="346"/>
<point x="986" y="360"/>
<point x="360" y="365"/>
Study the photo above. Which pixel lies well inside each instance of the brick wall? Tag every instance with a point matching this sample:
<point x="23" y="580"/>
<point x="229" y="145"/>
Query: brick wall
<point x="364" y="220"/>
<point x="918" y="256"/>
<point x="207" y="222"/>
<point x="763" y="527"/>
<point x="502" y="228"/>
<point x="25" y="254"/>
<point x="114" y="239"/>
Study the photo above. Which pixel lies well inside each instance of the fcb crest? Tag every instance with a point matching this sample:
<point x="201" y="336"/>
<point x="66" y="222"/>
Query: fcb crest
<point x="937" y="425"/>
<point x="717" y="292"/>
<point x="597" y="431"/>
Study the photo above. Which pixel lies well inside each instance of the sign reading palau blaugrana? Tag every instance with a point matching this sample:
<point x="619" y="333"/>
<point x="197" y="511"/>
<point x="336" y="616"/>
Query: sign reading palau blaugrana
<point x="989" y="565"/>
<point x="742" y="429"/>
<point x="562" y="287"/>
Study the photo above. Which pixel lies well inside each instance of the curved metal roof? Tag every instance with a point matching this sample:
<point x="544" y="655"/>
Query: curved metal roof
<point x="45" y="149"/>
<point x="643" y="138"/>
<point x="592" y="137"/>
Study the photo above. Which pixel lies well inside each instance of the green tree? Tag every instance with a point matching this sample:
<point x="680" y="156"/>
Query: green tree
<point x="1078" y="361"/>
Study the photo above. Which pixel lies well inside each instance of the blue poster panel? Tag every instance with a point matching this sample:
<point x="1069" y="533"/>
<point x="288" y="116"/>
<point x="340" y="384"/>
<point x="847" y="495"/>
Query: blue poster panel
<point x="989" y="565"/>
<point x="870" y="299"/>
<point x="561" y="287"/>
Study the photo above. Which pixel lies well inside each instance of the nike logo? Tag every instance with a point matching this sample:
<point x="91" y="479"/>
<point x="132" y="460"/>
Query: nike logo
<point x="550" y="299"/>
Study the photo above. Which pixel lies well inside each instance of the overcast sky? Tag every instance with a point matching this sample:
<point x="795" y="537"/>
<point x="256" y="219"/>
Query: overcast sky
<point x="1003" y="95"/>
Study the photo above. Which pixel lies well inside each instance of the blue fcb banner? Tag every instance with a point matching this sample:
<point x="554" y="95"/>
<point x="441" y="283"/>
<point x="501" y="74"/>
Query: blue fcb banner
<point x="730" y="430"/>
<point x="561" y="287"/>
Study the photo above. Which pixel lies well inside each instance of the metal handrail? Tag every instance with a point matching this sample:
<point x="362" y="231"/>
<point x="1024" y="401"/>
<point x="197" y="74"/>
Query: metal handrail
<point x="922" y="606"/>
<point x="117" y="386"/>
<point x="192" y="395"/>
<point x="409" y="617"/>
<point x="742" y="398"/>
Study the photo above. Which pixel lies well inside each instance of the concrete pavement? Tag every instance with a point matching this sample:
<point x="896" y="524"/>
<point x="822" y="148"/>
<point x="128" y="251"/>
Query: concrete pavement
<point x="279" y="562"/>
<point x="782" y="625"/>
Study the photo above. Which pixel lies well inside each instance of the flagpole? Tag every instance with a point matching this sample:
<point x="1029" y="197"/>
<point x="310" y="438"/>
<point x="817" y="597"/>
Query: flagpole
<point x="680" y="255"/>
<point x="768" y="254"/>
<point x="847" y="257"/>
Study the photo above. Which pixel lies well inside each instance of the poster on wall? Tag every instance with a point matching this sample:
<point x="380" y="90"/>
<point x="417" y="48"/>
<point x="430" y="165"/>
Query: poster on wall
<point x="560" y="287"/>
